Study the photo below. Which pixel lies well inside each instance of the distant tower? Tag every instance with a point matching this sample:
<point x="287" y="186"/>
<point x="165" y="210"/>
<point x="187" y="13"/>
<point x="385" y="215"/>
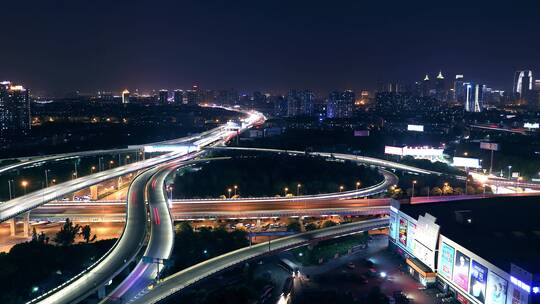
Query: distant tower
<point x="440" y="88"/>
<point x="523" y="82"/>
<point x="459" y="89"/>
<point x="474" y="98"/>
<point x="426" y="86"/>
<point x="125" y="96"/>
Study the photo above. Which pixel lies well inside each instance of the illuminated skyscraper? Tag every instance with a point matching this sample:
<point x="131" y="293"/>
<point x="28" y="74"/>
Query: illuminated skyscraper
<point x="340" y="104"/>
<point x="440" y="87"/>
<point x="523" y="82"/>
<point x="474" y="97"/>
<point x="300" y="103"/>
<point x="459" y="89"/>
<point x="14" y="109"/>
<point x="426" y="86"/>
<point x="125" y="97"/>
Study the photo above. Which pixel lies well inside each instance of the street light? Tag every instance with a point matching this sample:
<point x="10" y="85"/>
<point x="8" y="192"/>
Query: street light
<point x="298" y="189"/>
<point x="509" y="175"/>
<point x="235" y="188"/>
<point x="357" y="185"/>
<point x="47" y="177"/>
<point x="465" y="153"/>
<point x="24" y="184"/>
<point x="111" y="163"/>
<point x="92" y="169"/>
<point x="229" y="190"/>
<point x="413" y="183"/>
<point x="341" y="188"/>
<point x="286" y="190"/>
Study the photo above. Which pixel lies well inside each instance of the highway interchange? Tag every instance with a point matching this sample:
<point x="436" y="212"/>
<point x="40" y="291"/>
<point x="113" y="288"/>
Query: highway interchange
<point x="149" y="218"/>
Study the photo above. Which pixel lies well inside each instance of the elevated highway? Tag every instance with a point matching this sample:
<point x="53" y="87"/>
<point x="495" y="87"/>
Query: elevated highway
<point x="190" y="276"/>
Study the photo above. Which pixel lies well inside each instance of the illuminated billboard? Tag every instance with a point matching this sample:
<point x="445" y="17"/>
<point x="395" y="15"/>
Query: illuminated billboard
<point x="415" y="128"/>
<point x="393" y="226"/>
<point x="361" y="133"/>
<point x="489" y="146"/>
<point x="461" y="270"/>
<point x="477" y="286"/>
<point x="403" y="231"/>
<point x="411" y="229"/>
<point x="529" y="125"/>
<point x="496" y="289"/>
<point x="446" y="260"/>
<point x="393" y="150"/>
<point x="467" y="162"/>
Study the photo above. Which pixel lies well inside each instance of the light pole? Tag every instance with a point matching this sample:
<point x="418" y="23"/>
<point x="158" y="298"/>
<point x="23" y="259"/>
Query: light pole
<point x="127" y="159"/>
<point x="412" y="193"/>
<point x="509" y="174"/>
<point x="111" y="163"/>
<point x="341" y="188"/>
<point x="74" y="175"/>
<point x="357" y="185"/>
<point x="46" y="178"/>
<point x="235" y="188"/>
<point x="285" y="191"/>
<point x="229" y="190"/>
<point x="9" y="187"/>
<point x="92" y="169"/>
<point x="298" y="189"/>
<point x="100" y="165"/>
<point x="24" y="184"/>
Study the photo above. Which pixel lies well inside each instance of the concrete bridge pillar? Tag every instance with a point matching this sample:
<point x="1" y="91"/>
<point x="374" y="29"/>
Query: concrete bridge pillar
<point x="26" y="224"/>
<point x="12" y="227"/>
<point x="94" y="192"/>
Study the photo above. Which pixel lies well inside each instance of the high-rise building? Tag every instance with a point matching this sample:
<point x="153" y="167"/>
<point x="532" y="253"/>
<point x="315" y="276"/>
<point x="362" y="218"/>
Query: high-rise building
<point x="14" y="109"/>
<point x="426" y="86"/>
<point x="163" y="96"/>
<point x="474" y="97"/>
<point x="191" y="97"/>
<point x="440" y="87"/>
<point x="340" y="104"/>
<point x="178" y="96"/>
<point x="523" y="82"/>
<point x="125" y="96"/>
<point x="300" y="103"/>
<point x="459" y="89"/>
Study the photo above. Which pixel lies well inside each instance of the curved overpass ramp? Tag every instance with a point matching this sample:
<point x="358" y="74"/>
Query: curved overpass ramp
<point x="196" y="273"/>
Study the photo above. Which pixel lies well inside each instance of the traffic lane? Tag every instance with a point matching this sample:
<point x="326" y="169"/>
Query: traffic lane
<point x="193" y="274"/>
<point x="159" y="246"/>
<point x="233" y="206"/>
<point x="221" y="206"/>
<point x="118" y="257"/>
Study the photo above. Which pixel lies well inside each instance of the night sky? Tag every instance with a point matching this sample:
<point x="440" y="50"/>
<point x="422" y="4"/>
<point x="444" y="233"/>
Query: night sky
<point x="59" y="46"/>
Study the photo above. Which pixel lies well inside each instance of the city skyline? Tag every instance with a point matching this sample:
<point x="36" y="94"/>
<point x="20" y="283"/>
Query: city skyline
<point x="262" y="47"/>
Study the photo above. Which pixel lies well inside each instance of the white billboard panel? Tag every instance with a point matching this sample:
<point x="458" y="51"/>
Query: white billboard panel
<point x="489" y="146"/>
<point x="467" y="162"/>
<point x="415" y="128"/>
<point x="529" y="125"/>
<point x="393" y="150"/>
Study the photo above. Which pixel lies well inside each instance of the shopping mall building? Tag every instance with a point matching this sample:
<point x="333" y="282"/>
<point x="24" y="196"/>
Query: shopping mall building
<point x="483" y="251"/>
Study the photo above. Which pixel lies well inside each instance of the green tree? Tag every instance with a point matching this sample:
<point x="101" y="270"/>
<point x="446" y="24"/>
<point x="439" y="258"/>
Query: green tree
<point x="294" y="226"/>
<point x="328" y="223"/>
<point x="311" y="226"/>
<point x="436" y="191"/>
<point x="66" y="235"/>
<point x="86" y="233"/>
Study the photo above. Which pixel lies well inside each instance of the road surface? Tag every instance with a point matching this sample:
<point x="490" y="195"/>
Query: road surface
<point x="193" y="274"/>
<point x="116" y="259"/>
